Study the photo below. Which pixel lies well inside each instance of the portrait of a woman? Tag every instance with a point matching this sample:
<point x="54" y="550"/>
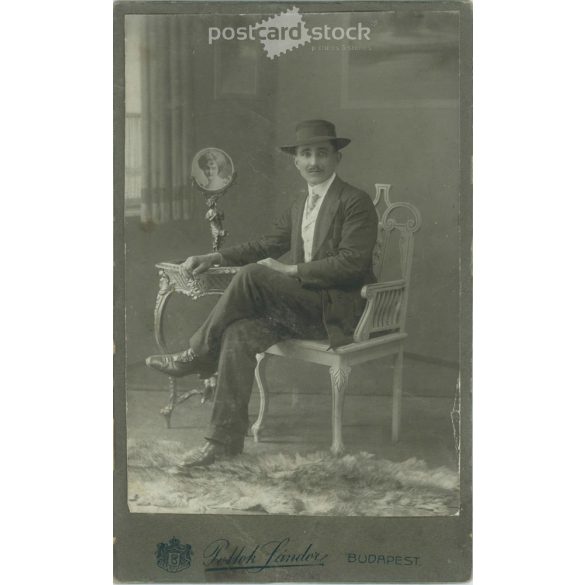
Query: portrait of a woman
<point x="214" y="171"/>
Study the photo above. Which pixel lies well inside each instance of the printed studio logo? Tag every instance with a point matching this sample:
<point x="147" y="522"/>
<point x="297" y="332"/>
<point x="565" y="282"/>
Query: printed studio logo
<point x="172" y="556"/>
<point x="286" y="31"/>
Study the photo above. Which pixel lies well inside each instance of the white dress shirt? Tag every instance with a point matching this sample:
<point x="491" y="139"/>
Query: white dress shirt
<point x="312" y="205"/>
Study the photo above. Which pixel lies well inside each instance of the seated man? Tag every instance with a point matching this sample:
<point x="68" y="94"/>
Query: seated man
<point x="330" y="232"/>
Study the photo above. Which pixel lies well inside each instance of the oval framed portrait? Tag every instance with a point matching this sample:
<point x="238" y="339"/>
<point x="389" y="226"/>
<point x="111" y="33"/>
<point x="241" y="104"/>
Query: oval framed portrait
<point x="212" y="169"/>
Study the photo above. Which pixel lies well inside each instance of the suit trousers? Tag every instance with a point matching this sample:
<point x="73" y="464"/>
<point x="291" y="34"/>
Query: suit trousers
<point x="259" y="308"/>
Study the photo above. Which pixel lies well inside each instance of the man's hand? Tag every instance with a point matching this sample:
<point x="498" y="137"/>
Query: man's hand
<point x="288" y="269"/>
<point x="197" y="264"/>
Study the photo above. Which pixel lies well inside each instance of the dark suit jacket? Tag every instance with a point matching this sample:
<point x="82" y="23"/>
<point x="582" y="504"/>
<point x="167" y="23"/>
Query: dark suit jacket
<point x="344" y="239"/>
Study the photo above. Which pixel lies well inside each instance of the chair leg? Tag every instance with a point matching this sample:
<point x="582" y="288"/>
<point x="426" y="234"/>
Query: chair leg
<point x="339" y="381"/>
<point x="397" y="396"/>
<point x="167" y="410"/>
<point x="260" y="373"/>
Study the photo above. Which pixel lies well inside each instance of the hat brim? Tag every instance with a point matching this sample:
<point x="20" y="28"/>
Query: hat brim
<point x="339" y="143"/>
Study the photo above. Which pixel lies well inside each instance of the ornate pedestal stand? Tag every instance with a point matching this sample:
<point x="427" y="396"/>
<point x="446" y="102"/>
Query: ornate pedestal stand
<point x="212" y="173"/>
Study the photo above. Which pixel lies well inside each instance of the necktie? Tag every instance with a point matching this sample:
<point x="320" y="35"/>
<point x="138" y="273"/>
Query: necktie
<point x="312" y="202"/>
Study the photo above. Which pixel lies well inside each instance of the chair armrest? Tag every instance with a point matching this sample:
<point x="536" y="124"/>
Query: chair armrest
<point x="371" y="291"/>
<point x="384" y="309"/>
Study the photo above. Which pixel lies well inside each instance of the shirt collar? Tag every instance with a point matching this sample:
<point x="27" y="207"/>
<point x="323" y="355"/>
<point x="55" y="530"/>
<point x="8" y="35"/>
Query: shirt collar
<point x="322" y="188"/>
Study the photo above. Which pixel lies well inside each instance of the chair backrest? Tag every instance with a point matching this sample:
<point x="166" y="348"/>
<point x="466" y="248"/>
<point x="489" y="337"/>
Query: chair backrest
<point x="386" y="311"/>
<point x="396" y="219"/>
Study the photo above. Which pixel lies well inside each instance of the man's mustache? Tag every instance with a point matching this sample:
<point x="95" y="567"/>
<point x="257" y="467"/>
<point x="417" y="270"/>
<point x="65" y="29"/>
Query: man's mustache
<point x="314" y="169"/>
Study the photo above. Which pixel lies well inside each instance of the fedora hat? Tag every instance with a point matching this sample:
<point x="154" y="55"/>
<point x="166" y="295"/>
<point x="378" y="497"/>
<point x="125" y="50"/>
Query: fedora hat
<point x="313" y="131"/>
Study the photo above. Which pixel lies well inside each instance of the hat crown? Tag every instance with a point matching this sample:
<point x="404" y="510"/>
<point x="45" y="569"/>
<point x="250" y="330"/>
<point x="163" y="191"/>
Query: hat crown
<point x="311" y="129"/>
<point x="314" y="131"/>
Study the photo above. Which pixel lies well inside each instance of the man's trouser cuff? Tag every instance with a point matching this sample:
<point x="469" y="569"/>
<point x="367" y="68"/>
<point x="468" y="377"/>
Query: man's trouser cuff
<point x="221" y="435"/>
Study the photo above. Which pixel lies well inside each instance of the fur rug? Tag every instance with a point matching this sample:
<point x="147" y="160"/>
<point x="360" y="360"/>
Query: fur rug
<point x="314" y="484"/>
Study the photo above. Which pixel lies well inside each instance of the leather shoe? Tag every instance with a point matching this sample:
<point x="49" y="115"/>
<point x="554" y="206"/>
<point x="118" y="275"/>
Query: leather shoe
<point x="210" y="451"/>
<point x="181" y="364"/>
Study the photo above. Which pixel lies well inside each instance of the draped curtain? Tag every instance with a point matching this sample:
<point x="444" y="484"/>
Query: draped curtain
<point x="167" y="117"/>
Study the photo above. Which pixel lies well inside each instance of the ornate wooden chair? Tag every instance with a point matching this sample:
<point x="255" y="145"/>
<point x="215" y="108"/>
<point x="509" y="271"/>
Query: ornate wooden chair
<point x="381" y="331"/>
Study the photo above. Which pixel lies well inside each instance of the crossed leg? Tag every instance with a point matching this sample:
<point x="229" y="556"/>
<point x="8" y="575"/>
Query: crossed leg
<point x="258" y="292"/>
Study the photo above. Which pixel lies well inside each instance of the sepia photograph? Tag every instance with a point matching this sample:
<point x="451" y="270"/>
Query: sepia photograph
<point x="272" y="211"/>
<point x="296" y="281"/>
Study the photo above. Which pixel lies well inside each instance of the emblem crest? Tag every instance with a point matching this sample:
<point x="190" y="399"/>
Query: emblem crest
<point x="172" y="556"/>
